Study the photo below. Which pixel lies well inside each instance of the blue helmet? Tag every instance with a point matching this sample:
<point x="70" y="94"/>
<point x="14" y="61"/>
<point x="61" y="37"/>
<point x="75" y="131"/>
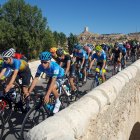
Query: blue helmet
<point x="46" y="56"/>
<point x="78" y="47"/>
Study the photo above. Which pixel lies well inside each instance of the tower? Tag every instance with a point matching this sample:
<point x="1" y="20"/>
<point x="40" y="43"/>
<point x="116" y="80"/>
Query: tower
<point x="86" y="29"/>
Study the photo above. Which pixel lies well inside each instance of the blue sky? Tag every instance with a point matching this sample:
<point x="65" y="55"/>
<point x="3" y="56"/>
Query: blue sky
<point x="101" y="16"/>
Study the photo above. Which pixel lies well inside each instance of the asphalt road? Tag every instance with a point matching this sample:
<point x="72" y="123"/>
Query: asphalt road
<point x="12" y="129"/>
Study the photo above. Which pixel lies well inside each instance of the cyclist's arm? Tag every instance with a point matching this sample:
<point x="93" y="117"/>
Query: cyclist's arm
<point x="120" y="56"/>
<point x="104" y="64"/>
<point x="91" y="63"/>
<point x="2" y="72"/>
<point x="68" y="67"/>
<point x="83" y="60"/>
<point x="61" y="63"/>
<point x="34" y="82"/>
<point x="52" y="84"/>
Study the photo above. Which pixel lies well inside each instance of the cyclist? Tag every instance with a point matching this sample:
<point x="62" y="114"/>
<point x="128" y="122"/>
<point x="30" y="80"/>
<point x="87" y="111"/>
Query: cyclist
<point x="116" y="56"/>
<point x="8" y="71"/>
<point x="18" y="55"/>
<point x="138" y="50"/>
<point x="133" y="51"/>
<point x="128" y="48"/>
<point x="54" y="55"/>
<point x="66" y="63"/>
<point x="20" y="70"/>
<point x="123" y="51"/>
<point x="100" y="58"/>
<point x="88" y="48"/>
<point x="56" y="75"/>
<point x="82" y="58"/>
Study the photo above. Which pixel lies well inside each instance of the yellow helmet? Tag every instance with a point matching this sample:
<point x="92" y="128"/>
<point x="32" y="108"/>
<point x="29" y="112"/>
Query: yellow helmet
<point x="53" y="49"/>
<point x="98" y="48"/>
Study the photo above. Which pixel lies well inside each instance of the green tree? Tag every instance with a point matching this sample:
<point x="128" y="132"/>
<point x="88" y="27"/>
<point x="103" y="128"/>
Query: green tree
<point x="63" y="39"/>
<point x="72" y="39"/>
<point x="49" y="40"/>
<point x="26" y="27"/>
<point x="56" y="37"/>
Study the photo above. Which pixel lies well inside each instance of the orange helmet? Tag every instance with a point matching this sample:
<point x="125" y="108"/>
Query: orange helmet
<point x="53" y="49"/>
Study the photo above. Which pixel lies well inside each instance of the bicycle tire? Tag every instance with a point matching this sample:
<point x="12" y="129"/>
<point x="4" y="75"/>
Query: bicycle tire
<point x="64" y="99"/>
<point x="7" y="112"/>
<point x="1" y="127"/>
<point x="32" y="122"/>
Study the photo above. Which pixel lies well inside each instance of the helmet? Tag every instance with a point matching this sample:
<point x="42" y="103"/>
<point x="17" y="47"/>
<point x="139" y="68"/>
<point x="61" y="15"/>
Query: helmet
<point x="53" y="49"/>
<point x="78" y="47"/>
<point x="98" y="48"/>
<point x="46" y="56"/>
<point x="7" y="53"/>
<point x="59" y="52"/>
<point x="12" y="50"/>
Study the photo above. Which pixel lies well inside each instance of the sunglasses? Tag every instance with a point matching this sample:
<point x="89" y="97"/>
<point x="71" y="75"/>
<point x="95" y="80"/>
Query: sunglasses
<point x="44" y="62"/>
<point x="5" y="58"/>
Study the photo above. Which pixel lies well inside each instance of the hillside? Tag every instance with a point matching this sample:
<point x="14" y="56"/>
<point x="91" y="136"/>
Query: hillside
<point x="93" y="38"/>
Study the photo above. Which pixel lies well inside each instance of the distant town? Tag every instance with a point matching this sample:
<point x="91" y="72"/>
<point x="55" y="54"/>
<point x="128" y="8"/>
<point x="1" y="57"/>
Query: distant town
<point x="89" y="37"/>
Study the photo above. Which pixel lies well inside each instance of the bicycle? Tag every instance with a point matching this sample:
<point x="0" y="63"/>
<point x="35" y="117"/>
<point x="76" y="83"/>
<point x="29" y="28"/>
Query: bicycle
<point x="66" y="87"/>
<point x="10" y="102"/>
<point x="40" y="112"/>
<point x="97" y="78"/>
<point x="6" y="106"/>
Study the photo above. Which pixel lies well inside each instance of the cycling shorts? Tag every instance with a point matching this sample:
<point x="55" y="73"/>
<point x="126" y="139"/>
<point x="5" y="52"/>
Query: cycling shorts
<point x="59" y="82"/>
<point x="79" y="61"/>
<point x="25" y="76"/>
<point x="99" y="69"/>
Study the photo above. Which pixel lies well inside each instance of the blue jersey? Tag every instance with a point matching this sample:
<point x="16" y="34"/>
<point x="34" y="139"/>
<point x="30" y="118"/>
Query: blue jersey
<point x="122" y="49"/>
<point x="53" y="71"/>
<point x="81" y="54"/>
<point x="17" y="64"/>
<point x="100" y="58"/>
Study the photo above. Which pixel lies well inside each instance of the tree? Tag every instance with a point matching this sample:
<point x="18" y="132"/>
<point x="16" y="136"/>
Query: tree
<point x="26" y="27"/>
<point x="49" y="40"/>
<point x="72" y="39"/>
<point x="56" y="37"/>
<point x="63" y="39"/>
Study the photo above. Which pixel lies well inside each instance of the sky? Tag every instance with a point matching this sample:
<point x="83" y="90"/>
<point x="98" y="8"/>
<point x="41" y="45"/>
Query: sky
<point x="100" y="16"/>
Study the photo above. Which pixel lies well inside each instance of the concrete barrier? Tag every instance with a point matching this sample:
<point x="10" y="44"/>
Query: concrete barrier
<point x="108" y="112"/>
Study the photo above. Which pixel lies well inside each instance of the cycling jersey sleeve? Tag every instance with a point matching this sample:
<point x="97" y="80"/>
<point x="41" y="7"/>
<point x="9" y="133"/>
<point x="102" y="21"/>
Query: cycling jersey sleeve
<point x="94" y="56"/>
<point x="104" y="57"/>
<point x="17" y="64"/>
<point x="55" y="71"/>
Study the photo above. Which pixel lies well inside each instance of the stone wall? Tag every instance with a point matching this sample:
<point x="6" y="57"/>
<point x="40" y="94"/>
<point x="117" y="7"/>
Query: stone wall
<point x="108" y="112"/>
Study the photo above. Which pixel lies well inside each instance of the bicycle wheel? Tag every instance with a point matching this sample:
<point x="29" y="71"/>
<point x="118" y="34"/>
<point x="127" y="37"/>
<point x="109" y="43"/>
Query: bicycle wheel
<point x="34" y="116"/>
<point x="1" y="127"/>
<point x="5" y="109"/>
<point x="64" y="101"/>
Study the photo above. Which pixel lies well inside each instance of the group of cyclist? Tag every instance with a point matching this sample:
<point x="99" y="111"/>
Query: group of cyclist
<point x="83" y="58"/>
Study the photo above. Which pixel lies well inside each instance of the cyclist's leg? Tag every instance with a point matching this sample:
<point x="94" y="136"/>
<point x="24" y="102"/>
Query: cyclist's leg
<point x="55" y="92"/>
<point x="26" y="77"/>
<point x="84" y="69"/>
<point x="71" y="79"/>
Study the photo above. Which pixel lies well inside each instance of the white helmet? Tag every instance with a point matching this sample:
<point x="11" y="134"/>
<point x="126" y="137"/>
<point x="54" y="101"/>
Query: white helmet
<point x="7" y="54"/>
<point x="12" y="50"/>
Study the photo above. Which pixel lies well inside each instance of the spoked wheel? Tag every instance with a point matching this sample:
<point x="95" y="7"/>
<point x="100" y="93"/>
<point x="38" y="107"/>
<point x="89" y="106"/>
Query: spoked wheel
<point x="1" y="127"/>
<point x="94" y="84"/>
<point x="5" y="109"/>
<point x="34" y="116"/>
<point x="64" y="101"/>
